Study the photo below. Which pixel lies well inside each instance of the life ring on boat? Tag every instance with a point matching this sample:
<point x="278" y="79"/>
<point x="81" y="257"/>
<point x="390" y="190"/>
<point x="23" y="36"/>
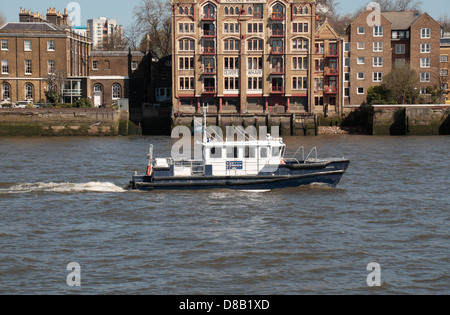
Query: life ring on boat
<point x="282" y="161"/>
<point x="149" y="170"/>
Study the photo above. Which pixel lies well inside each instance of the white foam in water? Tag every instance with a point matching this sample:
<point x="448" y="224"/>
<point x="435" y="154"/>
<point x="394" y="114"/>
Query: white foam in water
<point x="64" y="187"/>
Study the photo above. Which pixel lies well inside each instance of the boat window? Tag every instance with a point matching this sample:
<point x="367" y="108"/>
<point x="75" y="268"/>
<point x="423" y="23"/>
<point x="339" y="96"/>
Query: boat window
<point x="263" y="153"/>
<point x="250" y="152"/>
<point x="232" y="152"/>
<point x="276" y="151"/>
<point x="216" y="153"/>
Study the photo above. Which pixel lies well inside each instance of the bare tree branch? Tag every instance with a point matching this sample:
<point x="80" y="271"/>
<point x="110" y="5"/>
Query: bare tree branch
<point x="154" y="18"/>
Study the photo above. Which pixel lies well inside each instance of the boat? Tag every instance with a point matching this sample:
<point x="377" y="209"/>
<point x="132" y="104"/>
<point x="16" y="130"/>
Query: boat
<point x="249" y="164"/>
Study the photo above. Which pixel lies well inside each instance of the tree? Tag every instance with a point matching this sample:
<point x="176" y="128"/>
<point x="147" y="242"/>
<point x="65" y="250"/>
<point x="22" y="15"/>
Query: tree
<point x="399" y="5"/>
<point x="154" y="19"/>
<point x="55" y="82"/>
<point x="378" y="94"/>
<point x="115" y="42"/>
<point x="2" y="19"/>
<point x="444" y="20"/>
<point x="133" y="36"/>
<point x="401" y="82"/>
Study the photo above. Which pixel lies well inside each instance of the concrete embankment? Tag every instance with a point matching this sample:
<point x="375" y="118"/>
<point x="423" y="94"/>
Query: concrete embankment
<point x="65" y="122"/>
<point x="296" y="125"/>
<point x="410" y="120"/>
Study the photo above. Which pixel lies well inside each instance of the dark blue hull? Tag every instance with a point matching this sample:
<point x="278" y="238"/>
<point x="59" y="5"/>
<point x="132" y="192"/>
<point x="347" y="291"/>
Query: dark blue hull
<point x="286" y="176"/>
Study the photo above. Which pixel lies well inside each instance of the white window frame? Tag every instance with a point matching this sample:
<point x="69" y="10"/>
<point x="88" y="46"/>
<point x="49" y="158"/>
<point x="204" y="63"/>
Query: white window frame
<point x="51" y="66"/>
<point x="400" y="49"/>
<point x="378" y="46"/>
<point x="360" y="93"/>
<point x="360" y="30"/>
<point x="5" y="66"/>
<point x="377" y="62"/>
<point x="360" y="76"/>
<point x="425" y="33"/>
<point x="377" y="77"/>
<point x="50" y="45"/>
<point x="424" y="77"/>
<point x="116" y="94"/>
<point x="425" y="62"/>
<point x="5" y="44"/>
<point x="361" y="45"/>
<point x="378" y="31"/>
<point x="27" y="45"/>
<point x="28" y="67"/>
<point x="425" y="48"/>
<point x="361" y="60"/>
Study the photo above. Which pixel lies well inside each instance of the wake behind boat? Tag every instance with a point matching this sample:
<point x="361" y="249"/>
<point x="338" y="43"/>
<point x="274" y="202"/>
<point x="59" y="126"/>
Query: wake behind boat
<point x="242" y="165"/>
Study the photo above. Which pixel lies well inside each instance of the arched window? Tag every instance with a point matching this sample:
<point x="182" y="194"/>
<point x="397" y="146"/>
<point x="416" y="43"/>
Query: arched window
<point x="209" y="11"/>
<point x="181" y="10"/>
<point x="6" y="91"/>
<point x="28" y="91"/>
<point x="278" y="11"/>
<point x="116" y="91"/>
<point x="305" y="10"/>
<point x="295" y="10"/>
<point x="98" y="88"/>
<point x="300" y="10"/>
<point x="250" y="10"/>
<point x="231" y="10"/>
<point x="226" y="10"/>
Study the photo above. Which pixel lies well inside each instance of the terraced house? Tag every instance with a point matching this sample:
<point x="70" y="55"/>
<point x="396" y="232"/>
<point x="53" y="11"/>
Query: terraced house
<point x="261" y="56"/>
<point x="36" y="48"/>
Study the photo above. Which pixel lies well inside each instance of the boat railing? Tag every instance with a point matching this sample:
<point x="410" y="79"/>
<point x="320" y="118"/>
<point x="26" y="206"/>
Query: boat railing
<point x="197" y="167"/>
<point x="308" y="157"/>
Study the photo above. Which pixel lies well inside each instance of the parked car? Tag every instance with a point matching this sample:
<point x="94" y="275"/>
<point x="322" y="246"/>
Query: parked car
<point x="22" y="104"/>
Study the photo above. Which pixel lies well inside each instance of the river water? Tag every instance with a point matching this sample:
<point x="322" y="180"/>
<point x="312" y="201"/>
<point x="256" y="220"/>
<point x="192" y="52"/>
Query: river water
<point x="63" y="200"/>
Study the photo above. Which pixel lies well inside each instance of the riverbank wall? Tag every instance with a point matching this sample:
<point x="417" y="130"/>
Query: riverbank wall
<point x="410" y="120"/>
<point x="65" y="122"/>
<point x="287" y="124"/>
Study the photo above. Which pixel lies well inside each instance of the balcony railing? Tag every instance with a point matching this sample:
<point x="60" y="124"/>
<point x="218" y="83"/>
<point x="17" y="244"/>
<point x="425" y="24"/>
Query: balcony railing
<point x="278" y="33"/>
<point x="209" y="50"/>
<point x="277" y="89"/>
<point x="277" y="50"/>
<point x="209" y="70"/>
<point x="332" y="72"/>
<point x="332" y="53"/>
<point x="330" y="90"/>
<point x="277" y="16"/>
<point x="209" y="89"/>
<point x="277" y="70"/>
<point x="208" y="16"/>
<point x="209" y="33"/>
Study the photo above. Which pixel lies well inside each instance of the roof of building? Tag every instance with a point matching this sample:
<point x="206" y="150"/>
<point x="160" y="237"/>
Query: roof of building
<point x="30" y="26"/>
<point x="402" y="20"/>
<point x="122" y="53"/>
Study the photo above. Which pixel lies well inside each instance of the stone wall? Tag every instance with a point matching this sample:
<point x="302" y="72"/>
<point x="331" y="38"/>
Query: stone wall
<point x="410" y="120"/>
<point x="63" y="122"/>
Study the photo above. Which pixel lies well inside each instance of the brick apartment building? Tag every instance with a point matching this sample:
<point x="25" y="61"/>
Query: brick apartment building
<point x="254" y="57"/>
<point x="407" y="38"/>
<point x="445" y="67"/>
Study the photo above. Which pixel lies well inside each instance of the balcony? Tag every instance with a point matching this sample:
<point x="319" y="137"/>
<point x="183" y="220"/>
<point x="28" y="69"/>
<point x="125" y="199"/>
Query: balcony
<point x="333" y="53"/>
<point x="209" y="90"/>
<point x="330" y="90"/>
<point x="277" y="50"/>
<point x="278" y="33"/>
<point x="209" y="50"/>
<point x="209" y="17"/>
<point x="209" y="70"/>
<point x="277" y="70"/>
<point x="277" y="89"/>
<point x="332" y="72"/>
<point x="209" y="33"/>
<point x="277" y="16"/>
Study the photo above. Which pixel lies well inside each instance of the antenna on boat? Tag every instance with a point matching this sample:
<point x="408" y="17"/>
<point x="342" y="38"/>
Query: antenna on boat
<point x="205" y="109"/>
